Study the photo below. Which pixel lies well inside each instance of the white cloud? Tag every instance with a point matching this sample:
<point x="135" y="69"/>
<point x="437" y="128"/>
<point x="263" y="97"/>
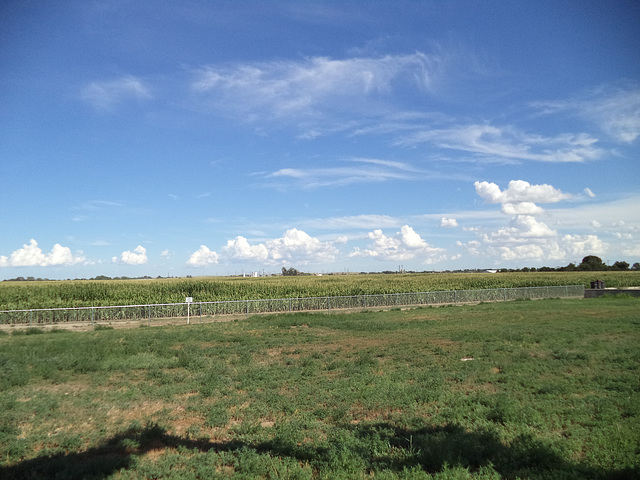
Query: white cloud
<point x="203" y="257"/>
<point x="31" y="255"/>
<point x="297" y="246"/>
<point x="589" y="193"/>
<point x="286" y="90"/>
<point x="137" y="257"/>
<point x="616" y="110"/>
<point x="357" y="170"/>
<point x="526" y="237"/>
<point x="522" y="208"/>
<point x="354" y="221"/>
<point x="524" y="252"/>
<point x="473" y="247"/>
<point x="519" y="191"/>
<point x="239" y="249"/>
<point x="448" y="222"/>
<point x="107" y="94"/>
<point x="623" y="236"/>
<point x="405" y="245"/>
<point x="366" y="172"/>
<point x="510" y="144"/>
<point x="522" y="228"/>
<point x="633" y="251"/>
<point x="580" y="245"/>
<point x="294" y="247"/>
<point x="617" y="213"/>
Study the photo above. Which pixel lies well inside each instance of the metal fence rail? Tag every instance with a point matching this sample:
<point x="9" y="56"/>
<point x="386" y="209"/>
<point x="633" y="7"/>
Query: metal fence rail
<point x="198" y="310"/>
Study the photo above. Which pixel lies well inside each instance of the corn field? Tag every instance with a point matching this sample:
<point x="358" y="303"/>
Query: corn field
<point x="98" y="293"/>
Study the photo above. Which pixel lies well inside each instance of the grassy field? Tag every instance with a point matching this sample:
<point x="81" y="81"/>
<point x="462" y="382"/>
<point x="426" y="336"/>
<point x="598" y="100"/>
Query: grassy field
<point x="84" y="293"/>
<point x="545" y="389"/>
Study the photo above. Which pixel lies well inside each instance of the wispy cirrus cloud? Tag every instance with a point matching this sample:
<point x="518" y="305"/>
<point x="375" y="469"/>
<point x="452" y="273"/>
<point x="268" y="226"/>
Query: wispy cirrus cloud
<point x="105" y="95"/>
<point x="357" y="171"/>
<point x="313" y="86"/>
<point x="614" y="109"/>
<point x="97" y="204"/>
<point x="353" y="171"/>
<point x="508" y="143"/>
<point x="354" y="222"/>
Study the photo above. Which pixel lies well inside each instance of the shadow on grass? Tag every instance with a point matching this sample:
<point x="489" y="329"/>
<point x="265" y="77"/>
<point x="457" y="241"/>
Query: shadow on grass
<point x="433" y="448"/>
<point x="116" y="453"/>
<point x="428" y="449"/>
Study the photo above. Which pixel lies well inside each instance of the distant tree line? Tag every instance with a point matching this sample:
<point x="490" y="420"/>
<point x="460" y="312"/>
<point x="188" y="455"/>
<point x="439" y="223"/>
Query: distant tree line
<point x="590" y="263"/>
<point x="99" y="277"/>
<point x="28" y="279"/>
<point x="290" y="272"/>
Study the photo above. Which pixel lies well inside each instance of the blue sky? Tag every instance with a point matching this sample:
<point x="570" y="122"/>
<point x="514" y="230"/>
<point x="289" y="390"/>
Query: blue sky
<point x="221" y="137"/>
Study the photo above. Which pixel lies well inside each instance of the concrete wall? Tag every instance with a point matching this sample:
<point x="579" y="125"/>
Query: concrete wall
<point x="598" y="292"/>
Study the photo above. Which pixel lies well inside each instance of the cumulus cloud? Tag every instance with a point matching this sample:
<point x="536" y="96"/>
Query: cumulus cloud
<point x="137" y="257"/>
<point x="522" y="208"/>
<point x="521" y="228"/>
<point x="563" y="248"/>
<point x="519" y="191"/>
<point x="31" y="255"/>
<point x="623" y="236"/>
<point x="448" y="222"/>
<point x="526" y="237"/>
<point x="203" y="257"/>
<point x="405" y="245"/>
<point x="107" y="94"/>
<point x="295" y="246"/>
<point x="524" y="252"/>
<point x="239" y="249"/>
<point x="579" y="245"/>
<point x="633" y="251"/>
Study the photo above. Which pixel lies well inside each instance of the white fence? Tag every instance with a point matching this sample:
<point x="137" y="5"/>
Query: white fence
<point x="196" y="311"/>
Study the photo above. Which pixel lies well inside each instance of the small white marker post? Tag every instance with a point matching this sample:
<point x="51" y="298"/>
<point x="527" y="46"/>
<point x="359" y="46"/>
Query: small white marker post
<point x="188" y="301"/>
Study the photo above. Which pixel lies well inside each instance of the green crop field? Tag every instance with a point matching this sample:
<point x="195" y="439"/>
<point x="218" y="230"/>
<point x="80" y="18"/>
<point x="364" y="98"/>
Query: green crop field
<point x="88" y="293"/>
<point x="546" y="389"/>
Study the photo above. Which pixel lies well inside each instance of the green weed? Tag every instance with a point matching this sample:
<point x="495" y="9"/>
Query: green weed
<point x="537" y="390"/>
